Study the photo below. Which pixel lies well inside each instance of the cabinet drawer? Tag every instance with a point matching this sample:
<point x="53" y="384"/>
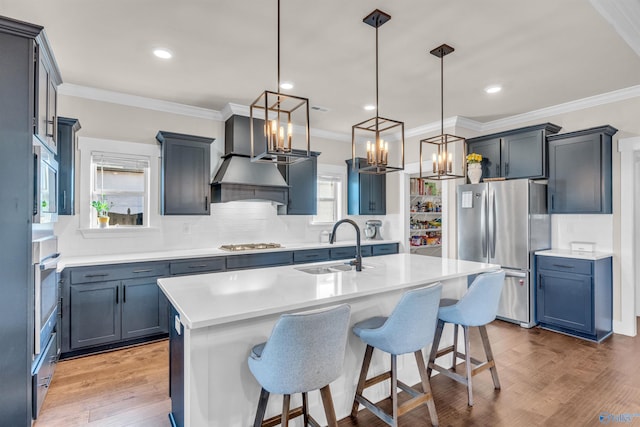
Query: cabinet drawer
<point x="390" y="248"/>
<point x="343" y="253"/>
<point x="366" y="250"/>
<point x="311" y="255"/>
<point x="197" y="265"/>
<point x="118" y="271"/>
<point x="259" y="260"/>
<point x="567" y="265"/>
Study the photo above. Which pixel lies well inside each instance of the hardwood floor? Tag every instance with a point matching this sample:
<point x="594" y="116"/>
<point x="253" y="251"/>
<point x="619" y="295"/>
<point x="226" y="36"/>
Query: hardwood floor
<point x="548" y="379"/>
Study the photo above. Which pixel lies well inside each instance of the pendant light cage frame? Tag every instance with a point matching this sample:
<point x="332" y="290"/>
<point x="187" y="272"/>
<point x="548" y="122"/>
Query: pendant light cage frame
<point x="377" y="133"/>
<point x="284" y="120"/>
<point x="443" y="159"/>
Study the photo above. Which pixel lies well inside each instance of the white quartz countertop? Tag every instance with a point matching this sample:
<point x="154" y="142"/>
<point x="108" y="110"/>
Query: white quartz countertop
<point x="218" y="298"/>
<point x="568" y="253"/>
<point x="81" y="261"/>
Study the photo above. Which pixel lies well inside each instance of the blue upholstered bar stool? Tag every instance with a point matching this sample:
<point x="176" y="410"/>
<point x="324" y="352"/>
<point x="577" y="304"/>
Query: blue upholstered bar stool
<point x="477" y="307"/>
<point x="305" y="352"/>
<point x="409" y="328"/>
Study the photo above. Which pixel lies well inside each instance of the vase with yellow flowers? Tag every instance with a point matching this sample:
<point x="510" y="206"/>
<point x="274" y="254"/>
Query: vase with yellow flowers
<point x="474" y="167"/>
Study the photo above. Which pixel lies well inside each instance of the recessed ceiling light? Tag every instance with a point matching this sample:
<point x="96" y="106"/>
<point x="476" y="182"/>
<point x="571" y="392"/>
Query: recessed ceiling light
<point x="286" y="85"/>
<point x="493" y="89"/>
<point x="369" y="107"/>
<point x="162" y="53"/>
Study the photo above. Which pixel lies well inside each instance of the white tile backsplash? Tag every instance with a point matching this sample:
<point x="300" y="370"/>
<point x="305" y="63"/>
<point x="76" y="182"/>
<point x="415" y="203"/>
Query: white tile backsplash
<point x="582" y="228"/>
<point x="229" y="223"/>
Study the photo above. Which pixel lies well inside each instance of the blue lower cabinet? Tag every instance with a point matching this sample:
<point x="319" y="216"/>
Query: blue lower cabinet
<point x="574" y="296"/>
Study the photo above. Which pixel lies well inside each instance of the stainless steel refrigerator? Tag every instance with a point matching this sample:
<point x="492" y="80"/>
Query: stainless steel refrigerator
<point x="504" y="222"/>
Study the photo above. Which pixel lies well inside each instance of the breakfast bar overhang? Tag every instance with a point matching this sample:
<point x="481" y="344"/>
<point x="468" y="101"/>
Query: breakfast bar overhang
<point x="217" y="318"/>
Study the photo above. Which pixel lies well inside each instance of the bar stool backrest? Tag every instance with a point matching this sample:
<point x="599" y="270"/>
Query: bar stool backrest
<point x="480" y="304"/>
<point x="411" y="325"/>
<point x="305" y="351"/>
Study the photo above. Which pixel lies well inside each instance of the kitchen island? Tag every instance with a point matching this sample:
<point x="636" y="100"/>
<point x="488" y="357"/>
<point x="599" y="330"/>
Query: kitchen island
<point x="218" y="317"/>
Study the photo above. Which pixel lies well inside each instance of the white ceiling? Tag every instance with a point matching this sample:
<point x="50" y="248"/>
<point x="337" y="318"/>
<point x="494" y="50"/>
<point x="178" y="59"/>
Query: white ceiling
<point x="543" y="53"/>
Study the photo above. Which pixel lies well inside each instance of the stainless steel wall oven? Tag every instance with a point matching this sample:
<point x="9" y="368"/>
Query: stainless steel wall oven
<point x="46" y="297"/>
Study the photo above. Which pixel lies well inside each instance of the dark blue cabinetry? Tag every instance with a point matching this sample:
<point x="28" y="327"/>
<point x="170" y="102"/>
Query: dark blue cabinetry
<point x="366" y="193"/>
<point x="574" y="296"/>
<point x="66" y="156"/>
<point x="108" y="306"/>
<point x="186" y="174"/>
<point x="518" y="153"/>
<point x="580" y="171"/>
<point x="302" y="178"/>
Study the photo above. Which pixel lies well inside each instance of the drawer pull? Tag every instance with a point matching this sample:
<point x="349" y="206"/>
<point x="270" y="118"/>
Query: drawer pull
<point x="96" y="275"/>
<point x="312" y="256"/>
<point x="198" y="266"/>
<point x="563" y="266"/>
<point x="142" y="271"/>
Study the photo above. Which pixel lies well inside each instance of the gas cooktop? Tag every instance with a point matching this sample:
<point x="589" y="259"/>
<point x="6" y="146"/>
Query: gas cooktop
<point x="250" y="246"/>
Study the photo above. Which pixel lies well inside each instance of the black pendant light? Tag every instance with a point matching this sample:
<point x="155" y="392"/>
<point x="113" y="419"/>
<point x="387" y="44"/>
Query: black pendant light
<point x="284" y="121"/>
<point x="371" y="138"/>
<point x="442" y="161"/>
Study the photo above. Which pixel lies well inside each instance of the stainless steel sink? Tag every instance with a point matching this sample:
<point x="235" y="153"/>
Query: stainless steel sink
<point x="329" y="268"/>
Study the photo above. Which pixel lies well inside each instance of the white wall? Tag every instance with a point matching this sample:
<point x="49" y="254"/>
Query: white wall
<point x="235" y="222"/>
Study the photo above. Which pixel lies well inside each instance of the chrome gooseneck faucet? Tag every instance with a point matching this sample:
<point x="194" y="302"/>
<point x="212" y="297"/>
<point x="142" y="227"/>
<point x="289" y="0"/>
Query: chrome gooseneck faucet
<point x="332" y="238"/>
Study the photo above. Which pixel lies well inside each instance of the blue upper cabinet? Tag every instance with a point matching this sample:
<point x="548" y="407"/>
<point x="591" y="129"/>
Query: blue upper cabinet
<point x="366" y="193"/>
<point x="67" y="129"/>
<point x="186" y="174"/>
<point x="580" y="171"/>
<point x="517" y="153"/>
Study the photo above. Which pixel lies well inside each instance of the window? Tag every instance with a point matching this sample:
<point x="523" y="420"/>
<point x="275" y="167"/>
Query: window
<point x="121" y="183"/>
<point x="329" y="199"/>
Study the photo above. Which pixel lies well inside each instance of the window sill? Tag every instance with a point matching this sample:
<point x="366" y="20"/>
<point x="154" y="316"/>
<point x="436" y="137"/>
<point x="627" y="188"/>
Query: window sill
<point x="111" y="232"/>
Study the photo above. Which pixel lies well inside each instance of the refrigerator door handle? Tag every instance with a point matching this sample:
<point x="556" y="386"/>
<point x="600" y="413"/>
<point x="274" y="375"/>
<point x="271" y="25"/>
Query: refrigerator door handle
<point x="492" y="223"/>
<point x="508" y="273"/>
<point x="483" y="223"/>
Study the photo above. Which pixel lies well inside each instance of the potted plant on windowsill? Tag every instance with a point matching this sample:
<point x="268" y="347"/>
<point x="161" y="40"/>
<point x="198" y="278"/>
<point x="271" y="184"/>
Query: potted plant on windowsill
<point x="102" y="208"/>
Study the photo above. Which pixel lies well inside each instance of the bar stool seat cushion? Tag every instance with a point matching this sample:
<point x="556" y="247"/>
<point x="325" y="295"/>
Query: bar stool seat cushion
<point x="371" y="323"/>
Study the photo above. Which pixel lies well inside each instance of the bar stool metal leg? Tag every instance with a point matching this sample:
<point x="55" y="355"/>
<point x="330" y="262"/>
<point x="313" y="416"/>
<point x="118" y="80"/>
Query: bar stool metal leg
<point x="434" y="347"/>
<point x="468" y="366"/>
<point x="394" y="389"/>
<point x="455" y="347"/>
<point x="426" y="388"/>
<point x="487" y="350"/>
<point x="262" y="407"/>
<point x="285" y="410"/>
<point x="362" y="380"/>
<point x="329" y="410"/>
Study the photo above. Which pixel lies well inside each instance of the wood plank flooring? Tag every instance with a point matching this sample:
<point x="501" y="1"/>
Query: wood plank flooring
<point x="548" y="379"/>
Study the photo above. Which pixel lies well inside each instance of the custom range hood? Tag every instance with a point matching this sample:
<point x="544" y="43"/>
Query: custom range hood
<point x="240" y="179"/>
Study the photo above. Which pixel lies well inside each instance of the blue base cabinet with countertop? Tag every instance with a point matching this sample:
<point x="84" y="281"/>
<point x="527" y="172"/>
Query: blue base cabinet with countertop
<point x="574" y="296"/>
<point x="109" y="306"/>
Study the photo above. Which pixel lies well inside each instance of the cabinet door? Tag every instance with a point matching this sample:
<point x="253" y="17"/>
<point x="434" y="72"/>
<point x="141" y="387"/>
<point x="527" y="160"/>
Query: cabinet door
<point x="489" y="149"/>
<point x="377" y="195"/>
<point x="302" y="178"/>
<point x="565" y="300"/>
<point x="185" y="178"/>
<point x="95" y="314"/>
<point x="144" y="308"/>
<point x="42" y="100"/>
<point x="66" y="164"/>
<point x="52" y="115"/>
<point x="575" y="175"/>
<point x="522" y="155"/>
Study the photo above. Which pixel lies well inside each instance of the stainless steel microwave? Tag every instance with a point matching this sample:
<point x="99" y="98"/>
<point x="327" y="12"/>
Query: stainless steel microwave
<point x="45" y="185"/>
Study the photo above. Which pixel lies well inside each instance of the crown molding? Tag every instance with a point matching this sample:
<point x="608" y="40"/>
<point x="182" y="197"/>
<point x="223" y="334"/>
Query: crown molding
<point x="457" y="122"/>
<point x="567" y="107"/>
<point x="120" y="98"/>
<point x="623" y="17"/>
